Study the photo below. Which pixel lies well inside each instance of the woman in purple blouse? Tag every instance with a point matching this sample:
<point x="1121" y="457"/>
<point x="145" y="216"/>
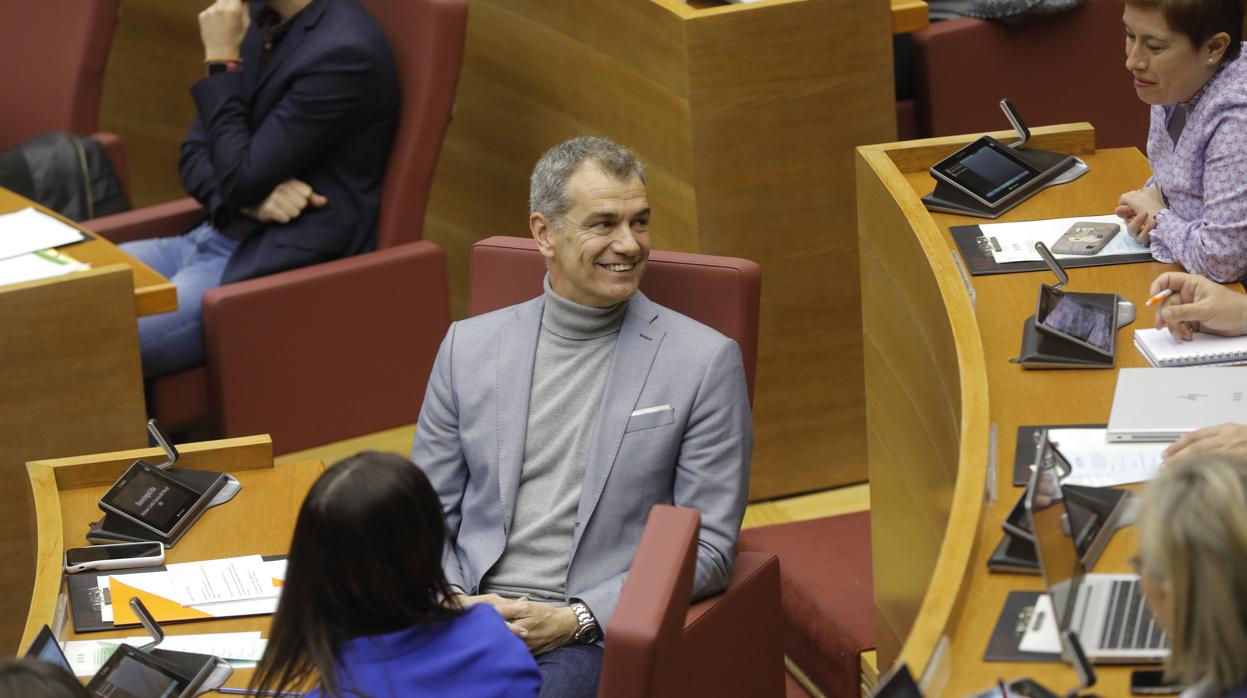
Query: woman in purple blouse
<point x="1184" y="58"/>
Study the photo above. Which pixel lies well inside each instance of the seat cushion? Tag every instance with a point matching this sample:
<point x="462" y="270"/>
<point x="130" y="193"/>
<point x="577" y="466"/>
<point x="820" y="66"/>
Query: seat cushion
<point x="826" y="591"/>
<point x="179" y="399"/>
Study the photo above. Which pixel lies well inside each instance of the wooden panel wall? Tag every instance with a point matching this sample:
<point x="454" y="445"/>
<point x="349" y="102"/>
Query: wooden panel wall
<point x="76" y="389"/>
<point x="155" y="57"/>
<point x="745" y="115"/>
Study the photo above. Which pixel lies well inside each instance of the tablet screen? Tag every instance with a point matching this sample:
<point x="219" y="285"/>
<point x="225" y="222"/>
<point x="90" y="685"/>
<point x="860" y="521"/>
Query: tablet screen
<point x="1079" y="319"/>
<point x="151" y="496"/>
<point x="986" y="169"/>
<point x="128" y="677"/>
<point x="46" y="648"/>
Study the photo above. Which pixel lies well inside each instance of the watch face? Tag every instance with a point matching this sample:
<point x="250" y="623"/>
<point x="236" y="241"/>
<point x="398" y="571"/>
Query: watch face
<point x="588" y="634"/>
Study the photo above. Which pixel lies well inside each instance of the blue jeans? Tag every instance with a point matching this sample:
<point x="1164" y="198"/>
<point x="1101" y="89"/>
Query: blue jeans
<point x="194" y="262"/>
<point x="571" y="671"/>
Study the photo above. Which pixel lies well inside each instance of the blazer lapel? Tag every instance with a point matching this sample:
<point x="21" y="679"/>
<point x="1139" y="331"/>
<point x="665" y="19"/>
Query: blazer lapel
<point x="639" y="339"/>
<point x="517" y="352"/>
<point x="302" y="24"/>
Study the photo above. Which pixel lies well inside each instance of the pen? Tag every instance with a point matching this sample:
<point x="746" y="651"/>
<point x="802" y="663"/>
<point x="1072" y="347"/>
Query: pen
<point x="1159" y="297"/>
<point x="1004" y="690"/>
<point x="249" y="692"/>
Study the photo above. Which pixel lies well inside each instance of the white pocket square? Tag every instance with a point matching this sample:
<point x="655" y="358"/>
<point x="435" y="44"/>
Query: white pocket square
<point x="648" y="410"/>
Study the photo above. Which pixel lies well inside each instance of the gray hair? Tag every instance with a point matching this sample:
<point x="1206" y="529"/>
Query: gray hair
<point x="547" y="192"/>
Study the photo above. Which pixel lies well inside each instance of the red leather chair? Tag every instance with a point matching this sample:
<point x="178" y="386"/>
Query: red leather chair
<point x="731" y="644"/>
<point x="335" y="350"/>
<point x="1056" y="69"/>
<point x="828" y="607"/>
<point x="643" y="639"/>
<point x="62" y="47"/>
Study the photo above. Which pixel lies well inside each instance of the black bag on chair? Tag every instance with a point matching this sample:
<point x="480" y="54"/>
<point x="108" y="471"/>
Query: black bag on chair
<point x="69" y="174"/>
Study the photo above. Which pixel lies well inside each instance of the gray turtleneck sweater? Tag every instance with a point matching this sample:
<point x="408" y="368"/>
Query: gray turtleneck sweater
<point x="574" y="352"/>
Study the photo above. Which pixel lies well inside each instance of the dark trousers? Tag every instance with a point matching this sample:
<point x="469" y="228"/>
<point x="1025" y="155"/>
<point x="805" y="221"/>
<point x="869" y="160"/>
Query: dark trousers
<point x="571" y="671"/>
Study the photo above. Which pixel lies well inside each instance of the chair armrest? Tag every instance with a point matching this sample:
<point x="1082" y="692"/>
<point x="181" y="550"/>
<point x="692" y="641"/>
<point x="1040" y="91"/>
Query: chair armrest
<point x="735" y="639"/>
<point x="335" y="350"/>
<point x="645" y="630"/>
<point x="161" y="220"/>
<point x="115" y="148"/>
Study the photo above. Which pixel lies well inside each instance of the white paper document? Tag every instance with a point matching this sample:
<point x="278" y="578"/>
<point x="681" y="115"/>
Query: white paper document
<point x="87" y="656"/>
<point x="29" y="230"/>
<point x="1015" y="242"/>
<point x="1042" y="633"/>
<point x="221" y="581"/>
<point x="159" y="585"/>
<point x="242" y="650"/>
<point x="44" y="264"/>
<point x="1097" y="462"/>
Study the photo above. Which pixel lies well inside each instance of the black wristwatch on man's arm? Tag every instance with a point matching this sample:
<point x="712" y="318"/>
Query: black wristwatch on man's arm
<point x="588" y="632"/>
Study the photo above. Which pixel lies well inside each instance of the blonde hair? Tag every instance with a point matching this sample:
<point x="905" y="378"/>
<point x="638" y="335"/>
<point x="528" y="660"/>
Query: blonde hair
<point x="1193" y="539"/>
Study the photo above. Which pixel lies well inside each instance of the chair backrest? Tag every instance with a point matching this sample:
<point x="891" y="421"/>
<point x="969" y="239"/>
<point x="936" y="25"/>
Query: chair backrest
<point x="427" y="39"/>
<point x="721" y="292"/>
<point x="57" y="50"/>
<point x="1060" y="68"/>
<point x="643" y="638"/>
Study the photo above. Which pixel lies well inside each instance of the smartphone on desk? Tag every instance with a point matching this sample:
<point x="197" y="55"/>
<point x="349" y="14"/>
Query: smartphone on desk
<point x="1151" y="682"/>
<point x="114" y="557"/>
<point x="1086" y="238"/>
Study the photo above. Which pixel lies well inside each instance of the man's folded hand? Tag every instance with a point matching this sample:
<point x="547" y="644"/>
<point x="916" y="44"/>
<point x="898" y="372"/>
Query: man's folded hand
<point x="286" y="203"/>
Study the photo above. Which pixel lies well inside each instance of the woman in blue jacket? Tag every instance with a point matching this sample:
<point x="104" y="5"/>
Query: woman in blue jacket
<point x="366" y="610"/>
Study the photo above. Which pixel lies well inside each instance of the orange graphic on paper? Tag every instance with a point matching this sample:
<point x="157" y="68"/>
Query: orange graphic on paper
<point x="162" y="609"/>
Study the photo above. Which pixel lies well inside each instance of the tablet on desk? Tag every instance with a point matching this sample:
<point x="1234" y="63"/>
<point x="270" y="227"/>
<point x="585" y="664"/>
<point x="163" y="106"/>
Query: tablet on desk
<point x="156" y="501"/>
<point x="989" y="171"/>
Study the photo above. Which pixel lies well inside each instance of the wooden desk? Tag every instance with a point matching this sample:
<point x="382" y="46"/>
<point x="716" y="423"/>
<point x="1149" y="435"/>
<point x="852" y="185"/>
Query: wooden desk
<point x="944" y="404"/>
<point x="260" y="519"/>
<point x="153" y="293"/>
<point x="71" y="384"/>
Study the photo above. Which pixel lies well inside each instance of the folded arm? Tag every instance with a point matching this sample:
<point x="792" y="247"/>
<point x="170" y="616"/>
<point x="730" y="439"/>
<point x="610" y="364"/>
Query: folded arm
<point x="226" y="165"/>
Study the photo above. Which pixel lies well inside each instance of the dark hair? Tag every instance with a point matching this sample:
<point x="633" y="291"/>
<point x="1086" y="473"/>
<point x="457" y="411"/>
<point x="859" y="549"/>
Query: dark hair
<point x="1199" y="20"/>
<point x="366" y="559"/>
<point x="35" y="678"/>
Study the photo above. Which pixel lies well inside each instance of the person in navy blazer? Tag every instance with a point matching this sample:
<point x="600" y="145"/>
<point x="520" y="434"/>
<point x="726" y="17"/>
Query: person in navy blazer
<point x="287" y="155"/>
<point x="550" y="428"/>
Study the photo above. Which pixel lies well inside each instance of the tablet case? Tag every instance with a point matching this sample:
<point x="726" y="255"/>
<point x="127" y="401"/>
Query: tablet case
<point x="1014" y="555"/>
<point x="114" y="528"/>
<point x="950" y="199"/>
<point x="1042" y="350"/>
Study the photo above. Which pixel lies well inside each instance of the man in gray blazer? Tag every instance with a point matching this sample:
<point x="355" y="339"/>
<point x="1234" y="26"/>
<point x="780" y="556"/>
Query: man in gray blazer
<point x="551" y="427"/>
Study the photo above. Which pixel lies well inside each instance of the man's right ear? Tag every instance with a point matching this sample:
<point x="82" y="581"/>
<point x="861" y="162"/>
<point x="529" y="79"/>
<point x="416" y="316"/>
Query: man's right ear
<point x="542" y="231"/>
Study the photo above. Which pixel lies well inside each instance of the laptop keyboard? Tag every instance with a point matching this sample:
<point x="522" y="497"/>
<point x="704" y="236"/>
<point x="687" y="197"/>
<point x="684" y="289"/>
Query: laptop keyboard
<point x="1129" y="624"/>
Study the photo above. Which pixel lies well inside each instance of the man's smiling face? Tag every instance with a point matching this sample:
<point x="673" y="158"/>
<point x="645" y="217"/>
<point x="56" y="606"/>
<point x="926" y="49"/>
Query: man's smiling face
<point x="597" y="253"/>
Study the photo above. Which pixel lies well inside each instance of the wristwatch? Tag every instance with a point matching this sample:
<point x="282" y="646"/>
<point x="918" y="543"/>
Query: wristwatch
<point x="588" y="632"/>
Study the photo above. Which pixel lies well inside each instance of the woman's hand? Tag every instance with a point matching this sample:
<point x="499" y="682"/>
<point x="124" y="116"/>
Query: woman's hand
<point x="1139" y="208"/>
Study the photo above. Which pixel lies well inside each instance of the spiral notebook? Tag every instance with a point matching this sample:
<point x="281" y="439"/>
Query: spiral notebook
<point x="1160" y="348"/>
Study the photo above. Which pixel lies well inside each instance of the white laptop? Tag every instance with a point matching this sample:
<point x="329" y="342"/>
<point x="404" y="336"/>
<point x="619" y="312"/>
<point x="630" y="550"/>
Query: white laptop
<point x="1162" y="404"/>
<point x="1107" y="611"/>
